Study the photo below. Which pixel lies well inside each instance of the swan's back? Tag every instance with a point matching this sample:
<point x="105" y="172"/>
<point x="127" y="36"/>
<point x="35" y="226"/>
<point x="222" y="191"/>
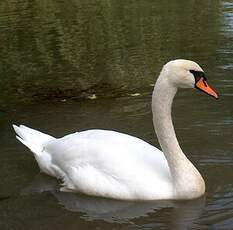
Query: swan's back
<point x="110" y="164"/>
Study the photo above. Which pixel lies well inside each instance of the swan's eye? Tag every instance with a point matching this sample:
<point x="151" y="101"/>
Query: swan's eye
<point x="198" y="75"/>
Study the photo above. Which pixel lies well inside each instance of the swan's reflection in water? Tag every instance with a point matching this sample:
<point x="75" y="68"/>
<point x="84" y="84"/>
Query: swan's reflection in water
<point x="183" y="213"/>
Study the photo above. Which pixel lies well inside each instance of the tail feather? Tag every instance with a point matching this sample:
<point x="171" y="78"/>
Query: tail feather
<point x="33" y="139"/>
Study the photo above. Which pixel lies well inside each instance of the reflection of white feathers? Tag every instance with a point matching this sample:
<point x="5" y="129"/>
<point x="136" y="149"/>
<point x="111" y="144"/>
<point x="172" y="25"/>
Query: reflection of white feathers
<point x="95" y="208"/>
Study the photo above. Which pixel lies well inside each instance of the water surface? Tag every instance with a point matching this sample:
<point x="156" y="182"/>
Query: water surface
<point x="141" y="38"/>
<point x="204" y="130"/>
<point x="59" y="49"/>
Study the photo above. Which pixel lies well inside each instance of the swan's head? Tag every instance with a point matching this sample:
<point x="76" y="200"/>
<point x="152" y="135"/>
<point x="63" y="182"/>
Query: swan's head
<point x="187" y="74"/>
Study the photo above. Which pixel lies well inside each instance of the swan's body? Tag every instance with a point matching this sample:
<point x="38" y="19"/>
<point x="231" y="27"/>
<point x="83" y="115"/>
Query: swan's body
<point x="106" y="163"/>
<point x="115" y="165"/>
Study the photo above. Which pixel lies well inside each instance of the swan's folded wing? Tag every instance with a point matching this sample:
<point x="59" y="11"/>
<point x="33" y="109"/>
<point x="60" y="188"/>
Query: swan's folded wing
<point x="113" y="160"/>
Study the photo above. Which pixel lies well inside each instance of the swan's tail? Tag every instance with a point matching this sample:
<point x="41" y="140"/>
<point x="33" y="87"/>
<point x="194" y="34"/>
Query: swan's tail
<point x="31" y="138"/>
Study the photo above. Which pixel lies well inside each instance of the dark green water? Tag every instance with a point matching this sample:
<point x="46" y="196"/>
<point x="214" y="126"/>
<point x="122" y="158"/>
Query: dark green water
<point x="52" y="48"/>
<point x="68" y="49"/>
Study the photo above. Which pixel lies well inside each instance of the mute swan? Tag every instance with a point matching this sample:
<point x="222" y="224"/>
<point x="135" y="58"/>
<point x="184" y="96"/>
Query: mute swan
<point x="110" y="164"/>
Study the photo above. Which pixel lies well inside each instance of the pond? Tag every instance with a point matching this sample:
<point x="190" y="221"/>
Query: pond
<point x="203" y="32"/>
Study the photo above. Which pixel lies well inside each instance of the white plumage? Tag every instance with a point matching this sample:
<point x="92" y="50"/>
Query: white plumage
<point x="101" y="163"/>
<point x="115" y="165"/>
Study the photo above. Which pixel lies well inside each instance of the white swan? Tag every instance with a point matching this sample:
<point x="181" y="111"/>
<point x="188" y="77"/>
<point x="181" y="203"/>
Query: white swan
<point x="116" y="165"/>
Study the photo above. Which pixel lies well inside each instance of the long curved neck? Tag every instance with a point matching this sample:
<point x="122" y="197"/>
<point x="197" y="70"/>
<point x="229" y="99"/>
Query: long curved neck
<point x="182" y="170"/>
<point x="161" y="106"/>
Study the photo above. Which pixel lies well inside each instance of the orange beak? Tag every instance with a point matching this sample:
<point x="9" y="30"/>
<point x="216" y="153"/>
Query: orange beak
<point x="202" y="85"/>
